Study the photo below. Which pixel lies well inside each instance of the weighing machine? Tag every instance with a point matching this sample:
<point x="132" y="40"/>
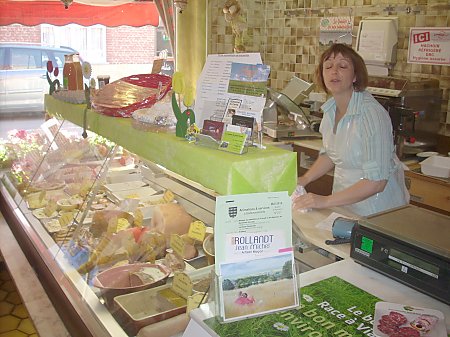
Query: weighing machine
<point x="409" y="244"/>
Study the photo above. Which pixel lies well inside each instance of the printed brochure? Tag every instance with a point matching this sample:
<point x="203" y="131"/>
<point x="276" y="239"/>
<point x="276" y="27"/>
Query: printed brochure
<point x="254" y="255"/>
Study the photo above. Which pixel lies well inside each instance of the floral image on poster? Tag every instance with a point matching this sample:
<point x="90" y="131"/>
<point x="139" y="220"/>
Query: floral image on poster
<point x="336" y="29"/>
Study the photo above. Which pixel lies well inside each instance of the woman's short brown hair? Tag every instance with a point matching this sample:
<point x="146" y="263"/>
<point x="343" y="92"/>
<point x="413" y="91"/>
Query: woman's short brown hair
<point x="362" y="78"/>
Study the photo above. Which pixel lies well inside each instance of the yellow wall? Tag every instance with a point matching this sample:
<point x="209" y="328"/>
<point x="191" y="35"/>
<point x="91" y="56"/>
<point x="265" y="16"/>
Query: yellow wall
<point x="191" y="40"/>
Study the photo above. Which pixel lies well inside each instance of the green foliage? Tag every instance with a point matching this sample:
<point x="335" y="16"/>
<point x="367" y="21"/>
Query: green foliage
<point x="227" y="285"/>
<point x="182" y="118"/>
<point x="286" y="271"/>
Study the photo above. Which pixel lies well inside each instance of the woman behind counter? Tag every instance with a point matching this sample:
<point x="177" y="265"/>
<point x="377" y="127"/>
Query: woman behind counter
<point x="357" y="142"/>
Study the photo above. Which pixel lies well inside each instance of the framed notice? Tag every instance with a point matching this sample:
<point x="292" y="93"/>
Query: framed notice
<point x="429" y="46"/>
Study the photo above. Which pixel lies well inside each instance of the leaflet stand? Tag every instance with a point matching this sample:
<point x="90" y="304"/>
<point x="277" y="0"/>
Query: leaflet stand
<point x="210" y="142"/>
<point x="255" y="265"/>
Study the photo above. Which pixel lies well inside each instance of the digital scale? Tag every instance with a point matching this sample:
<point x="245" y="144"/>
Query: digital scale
<point x="409" y="244"/>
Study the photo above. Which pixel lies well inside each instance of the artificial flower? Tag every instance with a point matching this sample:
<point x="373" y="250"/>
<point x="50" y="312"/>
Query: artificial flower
<point x="87" y="70"/>
<point x="188" y="98"/>
<point x="178" y="82"/>
<point x="49" y="66"/>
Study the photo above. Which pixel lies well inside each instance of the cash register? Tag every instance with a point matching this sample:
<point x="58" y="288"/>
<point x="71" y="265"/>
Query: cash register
<point x="409" y="244"/>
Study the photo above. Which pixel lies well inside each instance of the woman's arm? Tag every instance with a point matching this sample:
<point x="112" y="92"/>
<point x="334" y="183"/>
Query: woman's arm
<point x="357" y="192"/>
<point x="321" y="166"/>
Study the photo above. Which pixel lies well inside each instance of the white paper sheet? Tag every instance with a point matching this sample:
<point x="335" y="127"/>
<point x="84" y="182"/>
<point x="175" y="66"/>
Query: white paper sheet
<point x="212" y="97"/>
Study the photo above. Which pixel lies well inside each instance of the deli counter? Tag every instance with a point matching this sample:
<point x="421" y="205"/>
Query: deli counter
<point x="79" y="208"/>
<point x="66" y="199"/>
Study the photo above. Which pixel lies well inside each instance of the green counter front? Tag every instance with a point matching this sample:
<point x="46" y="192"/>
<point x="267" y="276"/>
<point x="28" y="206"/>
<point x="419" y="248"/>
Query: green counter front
<point x="272" y="169"/>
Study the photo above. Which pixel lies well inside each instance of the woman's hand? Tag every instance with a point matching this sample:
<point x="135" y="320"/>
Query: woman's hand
<point x="310" y="200"/>
<point x="363" y="189"/>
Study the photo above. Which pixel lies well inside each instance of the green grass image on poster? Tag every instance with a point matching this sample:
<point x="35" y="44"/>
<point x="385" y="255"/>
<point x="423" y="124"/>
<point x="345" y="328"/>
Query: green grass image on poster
<point x="331" y="307"/>
<point x="247" y="88"/>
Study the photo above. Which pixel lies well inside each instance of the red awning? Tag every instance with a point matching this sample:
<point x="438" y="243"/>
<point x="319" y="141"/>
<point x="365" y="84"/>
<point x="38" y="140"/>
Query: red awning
<point x="36" y="12"/>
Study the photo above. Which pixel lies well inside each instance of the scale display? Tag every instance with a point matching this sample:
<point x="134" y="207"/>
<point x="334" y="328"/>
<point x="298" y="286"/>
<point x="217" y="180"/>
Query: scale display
<point x="384" y="247"/>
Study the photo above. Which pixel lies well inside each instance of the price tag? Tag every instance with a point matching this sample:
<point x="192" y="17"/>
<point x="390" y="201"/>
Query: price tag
<point x="50" y="208"/>
<point x="138" y="218"/>
<point x="194" y="301"/>
<point x="42" y="196"/>
<point x="177" y="244"/>
<point x="122" y="224"/>
<point x="132" y="196"/>
<point x="197" y="230"/>
<point x="85" y="188"/>
<point x="182" y="285"/>
<point x="66" y="218"/>
<point x="112" y="225"/>
<point x="168" y="196"/>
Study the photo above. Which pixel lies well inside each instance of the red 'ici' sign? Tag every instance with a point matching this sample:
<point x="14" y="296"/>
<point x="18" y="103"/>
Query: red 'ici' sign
<point x="421" y="37"/>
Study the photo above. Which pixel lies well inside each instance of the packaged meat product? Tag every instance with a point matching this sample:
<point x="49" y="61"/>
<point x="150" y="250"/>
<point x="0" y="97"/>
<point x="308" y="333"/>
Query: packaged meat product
<point x="406" y="332"/>
<point x="170" y="219"/>
<point x="401" y="320"/>
<point x="122" y="97"/>
<point x="424" y="323"/>
<point x="174" y="262"/>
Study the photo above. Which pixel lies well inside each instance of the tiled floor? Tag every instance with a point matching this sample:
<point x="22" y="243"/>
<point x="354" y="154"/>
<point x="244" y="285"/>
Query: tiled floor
<point x="14" y="318"/>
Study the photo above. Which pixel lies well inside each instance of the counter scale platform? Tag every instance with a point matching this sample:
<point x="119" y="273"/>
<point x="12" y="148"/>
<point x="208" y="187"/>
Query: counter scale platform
<point x="409" y="244"/>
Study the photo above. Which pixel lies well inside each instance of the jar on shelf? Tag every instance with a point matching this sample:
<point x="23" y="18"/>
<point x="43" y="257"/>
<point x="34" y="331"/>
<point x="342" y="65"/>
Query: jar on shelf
<point x="78" y="71"/>
<point x="69" y="73"/>
<point x="102" y="80"/>
<point x="72" y="73"/>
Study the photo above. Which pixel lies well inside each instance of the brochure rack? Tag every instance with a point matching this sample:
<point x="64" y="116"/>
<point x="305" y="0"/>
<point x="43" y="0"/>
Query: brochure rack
<point x="210" y="142"/>
<point x="254" y="259"/>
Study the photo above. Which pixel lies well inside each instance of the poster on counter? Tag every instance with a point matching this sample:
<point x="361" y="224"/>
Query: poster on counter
<point x="336" y="29"/>
<point x="231" y="84"/>
<point x="429" y="46"/>
<point x="330" y="307"/>
<point x="255" y="262"/>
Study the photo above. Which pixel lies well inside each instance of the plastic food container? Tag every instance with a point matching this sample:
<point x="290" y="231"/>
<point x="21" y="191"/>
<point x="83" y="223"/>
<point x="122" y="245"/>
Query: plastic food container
<point x="424" y="155"/>
<point x="139" y="309"/>
<point x="117" y="281"/>
<point x="436" y="166"/>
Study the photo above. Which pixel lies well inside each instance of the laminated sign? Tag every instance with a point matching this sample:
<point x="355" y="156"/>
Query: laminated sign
<point x="429" y="46"/>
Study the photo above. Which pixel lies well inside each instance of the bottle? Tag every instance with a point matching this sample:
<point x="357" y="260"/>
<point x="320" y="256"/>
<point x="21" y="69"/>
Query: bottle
<point x="69" y="75"/>
<point x="78" y="72"/>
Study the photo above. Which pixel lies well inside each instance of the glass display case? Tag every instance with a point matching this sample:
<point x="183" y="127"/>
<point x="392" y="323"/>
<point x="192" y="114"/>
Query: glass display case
<point x="96" y="221"/>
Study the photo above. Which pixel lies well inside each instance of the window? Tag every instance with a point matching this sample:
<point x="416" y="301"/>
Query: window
<point x="3" y="65"/>
<point x="59" y="59"/>
<point x="26" y="58"/>
<point x="89" y="41"/>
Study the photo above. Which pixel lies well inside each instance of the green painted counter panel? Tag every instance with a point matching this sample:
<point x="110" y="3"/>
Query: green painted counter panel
<point x="272" y="169"/>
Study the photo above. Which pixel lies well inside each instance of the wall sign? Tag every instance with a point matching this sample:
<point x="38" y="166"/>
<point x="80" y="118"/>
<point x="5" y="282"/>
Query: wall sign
<point x="429" y="46"/>
<point x="336" y="29"/>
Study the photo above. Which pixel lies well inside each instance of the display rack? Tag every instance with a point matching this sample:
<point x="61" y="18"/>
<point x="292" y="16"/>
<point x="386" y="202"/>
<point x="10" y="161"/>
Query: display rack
<point x="81" y="306"/>
<point x="259" y="170"/>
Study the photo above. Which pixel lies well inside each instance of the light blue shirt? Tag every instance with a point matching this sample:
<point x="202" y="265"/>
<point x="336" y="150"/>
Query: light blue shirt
<point x="363" y="148"/>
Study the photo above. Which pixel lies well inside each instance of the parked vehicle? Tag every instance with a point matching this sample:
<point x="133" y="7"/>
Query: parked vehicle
<point x="23" y="81"/>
